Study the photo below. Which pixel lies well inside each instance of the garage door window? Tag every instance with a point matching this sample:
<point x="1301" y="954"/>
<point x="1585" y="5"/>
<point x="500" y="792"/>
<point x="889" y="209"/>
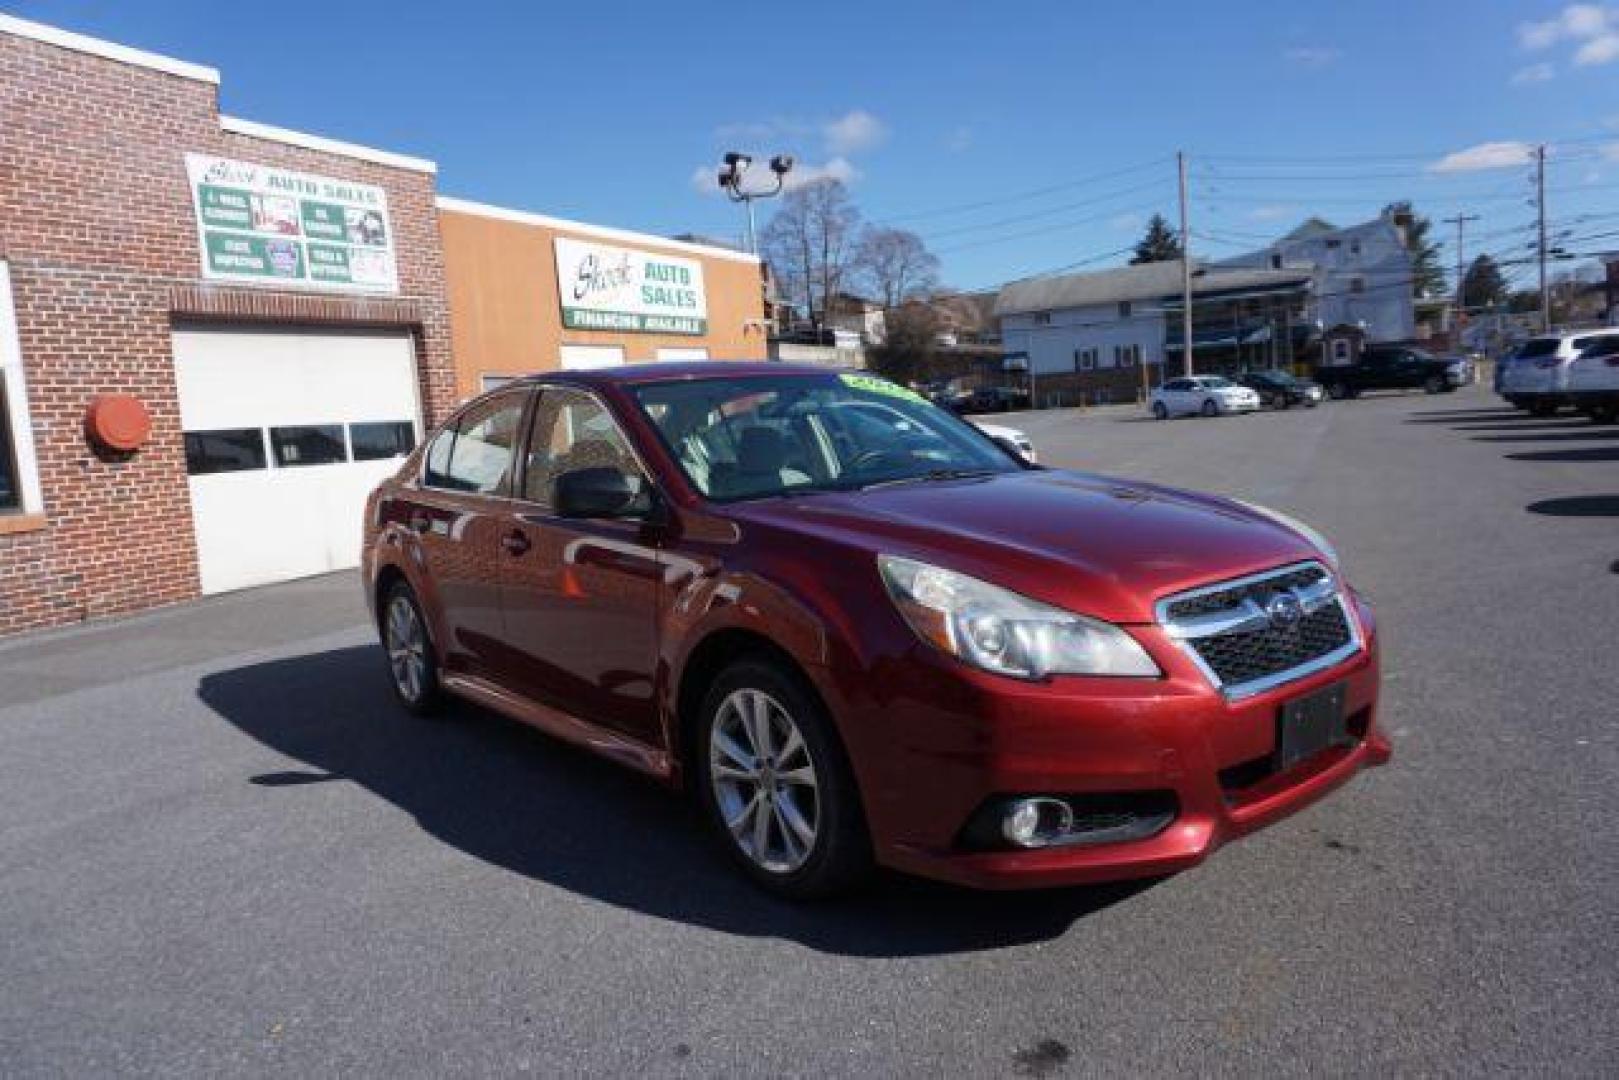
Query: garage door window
<point x="477" y="455"/>
<point x="226" y="450"/>
<point x="374" y="442"/>
<point x="314" y="444"/>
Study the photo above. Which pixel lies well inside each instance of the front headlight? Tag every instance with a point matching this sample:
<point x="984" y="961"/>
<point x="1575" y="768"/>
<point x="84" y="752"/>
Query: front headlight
<point x="1288" y="521"/>
<point x="997" y="630"/>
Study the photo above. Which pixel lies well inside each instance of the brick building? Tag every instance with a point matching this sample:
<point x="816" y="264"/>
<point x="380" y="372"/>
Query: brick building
<point x="272" y="302"/>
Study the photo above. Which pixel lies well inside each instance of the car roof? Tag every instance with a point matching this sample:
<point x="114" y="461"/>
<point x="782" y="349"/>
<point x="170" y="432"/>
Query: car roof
<point x="672" y="370"/>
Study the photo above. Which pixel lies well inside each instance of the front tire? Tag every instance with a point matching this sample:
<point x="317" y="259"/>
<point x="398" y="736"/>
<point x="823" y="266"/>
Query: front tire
<point x="411" y="659"/>
<point x="1160" y="411"/>
<point x="1434" y="384"/>
<point x="1210" y="408"/>
<point x="1338" y="391"/>
<point x="776" y="785"/>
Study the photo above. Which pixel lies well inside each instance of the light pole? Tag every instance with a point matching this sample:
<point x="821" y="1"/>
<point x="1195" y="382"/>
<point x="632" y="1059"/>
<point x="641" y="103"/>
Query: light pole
<point x="731" y="183"/>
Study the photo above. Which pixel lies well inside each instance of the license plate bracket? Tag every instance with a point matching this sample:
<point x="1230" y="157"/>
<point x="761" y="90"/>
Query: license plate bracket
<point x="1308" y="725"/>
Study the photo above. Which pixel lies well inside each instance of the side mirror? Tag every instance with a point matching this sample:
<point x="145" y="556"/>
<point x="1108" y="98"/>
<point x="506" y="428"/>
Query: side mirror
<point x="601" y="493"/>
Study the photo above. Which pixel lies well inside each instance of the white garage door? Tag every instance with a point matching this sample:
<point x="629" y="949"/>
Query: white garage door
<point x="286" y="434"/>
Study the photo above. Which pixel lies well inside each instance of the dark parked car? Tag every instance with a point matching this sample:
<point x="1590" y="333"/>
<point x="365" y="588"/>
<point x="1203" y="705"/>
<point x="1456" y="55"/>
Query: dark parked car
<point x="1394" y="367"/>
<point x="860" y="641"/>
<point x="990" y="399"/>
<point x="1279" y="389"/>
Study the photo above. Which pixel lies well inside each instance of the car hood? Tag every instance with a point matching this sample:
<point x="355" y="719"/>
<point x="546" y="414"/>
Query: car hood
<point x="1088" y="543"/>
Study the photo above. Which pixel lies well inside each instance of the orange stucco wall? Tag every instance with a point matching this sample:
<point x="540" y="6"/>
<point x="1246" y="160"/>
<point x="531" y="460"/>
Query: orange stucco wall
<point x="506" y="319"/>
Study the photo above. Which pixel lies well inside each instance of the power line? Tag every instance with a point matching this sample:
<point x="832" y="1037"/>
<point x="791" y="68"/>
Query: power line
<point x="1022" y="196"/>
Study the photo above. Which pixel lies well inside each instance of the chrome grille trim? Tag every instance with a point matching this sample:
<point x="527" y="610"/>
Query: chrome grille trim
<point x="1245" y="616"/>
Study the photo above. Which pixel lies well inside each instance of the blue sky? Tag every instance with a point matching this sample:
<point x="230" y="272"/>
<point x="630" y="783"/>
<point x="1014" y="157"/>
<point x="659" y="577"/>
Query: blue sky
<point x="1016" y="138"/>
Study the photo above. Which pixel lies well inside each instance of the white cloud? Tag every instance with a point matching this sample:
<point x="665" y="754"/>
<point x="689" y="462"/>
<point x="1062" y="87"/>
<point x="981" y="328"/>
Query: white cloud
<point x="838" y="168"/>
<point x="1312" y="55"/>
<point x="1599" y="50"/>
<point x="1271" y="212"/>
<point x="1126" y="222"/>
<point x="705" y="180"/>
<point x="1534" y="73"/>
<point x="1576" y="22"/>
<point x="1490" y="155"/>
<point x="854" y="131"/>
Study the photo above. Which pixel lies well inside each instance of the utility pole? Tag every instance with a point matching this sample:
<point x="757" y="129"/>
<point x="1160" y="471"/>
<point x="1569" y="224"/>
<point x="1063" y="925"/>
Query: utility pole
<point x="1540" y="206"/>
<point x="1186" y="273"/>
<point x="1460" y="221"/>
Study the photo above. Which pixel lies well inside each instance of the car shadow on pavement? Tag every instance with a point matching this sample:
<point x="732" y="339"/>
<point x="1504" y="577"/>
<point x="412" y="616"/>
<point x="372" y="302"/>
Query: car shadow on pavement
<point x="515" y="798"/>
<point x="1583" y="453"/>
<point x="1583" y="435"/>
<point x="1461" y="416"/>
<point x="1577" y="506"/>
<point x="1569" y="423"/>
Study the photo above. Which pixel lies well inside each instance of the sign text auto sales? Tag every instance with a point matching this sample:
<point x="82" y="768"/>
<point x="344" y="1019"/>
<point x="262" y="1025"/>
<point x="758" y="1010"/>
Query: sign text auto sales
<point x="611" y="288"/>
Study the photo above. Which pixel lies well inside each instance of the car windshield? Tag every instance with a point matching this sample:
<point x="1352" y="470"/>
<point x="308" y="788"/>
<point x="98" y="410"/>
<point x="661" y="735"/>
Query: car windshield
<point x="1538" y="347"/>
<point x="751" y="437"/>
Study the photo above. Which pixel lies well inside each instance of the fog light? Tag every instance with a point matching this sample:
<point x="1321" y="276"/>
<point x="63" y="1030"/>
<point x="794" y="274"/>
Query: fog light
<point x="1032" y="823"/>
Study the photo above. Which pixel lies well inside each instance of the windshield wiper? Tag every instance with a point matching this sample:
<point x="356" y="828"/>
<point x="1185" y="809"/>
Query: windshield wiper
<point x="928" y="477"/>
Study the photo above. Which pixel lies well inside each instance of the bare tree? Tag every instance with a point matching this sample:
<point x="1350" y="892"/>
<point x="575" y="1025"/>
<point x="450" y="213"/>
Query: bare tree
<point x="810" y="245"/>
<point x="895" y="265"/>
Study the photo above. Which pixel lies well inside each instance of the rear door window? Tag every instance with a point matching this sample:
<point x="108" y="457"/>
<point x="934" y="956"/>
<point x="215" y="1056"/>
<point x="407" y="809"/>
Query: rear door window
<point x="1537" y="347"/>
<point x="477" y="456"/>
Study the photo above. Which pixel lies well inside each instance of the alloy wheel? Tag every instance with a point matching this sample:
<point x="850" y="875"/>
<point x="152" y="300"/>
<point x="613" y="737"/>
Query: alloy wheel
<point x="764" y="781"/>
<point x="407" y="648"/>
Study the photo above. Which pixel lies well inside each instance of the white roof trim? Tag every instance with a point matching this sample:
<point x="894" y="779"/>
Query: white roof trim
<point x="66" y="39"/>
<point x="320" y="142"/>
<point x="524" y="217"/>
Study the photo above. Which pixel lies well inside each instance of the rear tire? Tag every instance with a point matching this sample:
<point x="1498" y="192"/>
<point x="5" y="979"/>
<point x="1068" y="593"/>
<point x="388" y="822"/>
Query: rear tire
<point x="1604" y="414"/>
<point x="1338" y="391"/>
<point x="1435" y="384"/>
<point x="1210" y="408"/>
<point x="1160" y="411"/>
<point x="412" y="662"/>
<point x="776" y="785"/>
<point x="1279" y="402"/>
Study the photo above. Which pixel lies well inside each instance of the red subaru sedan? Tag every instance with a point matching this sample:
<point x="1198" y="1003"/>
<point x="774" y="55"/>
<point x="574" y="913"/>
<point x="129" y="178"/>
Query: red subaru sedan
<point x="860" y="631"/>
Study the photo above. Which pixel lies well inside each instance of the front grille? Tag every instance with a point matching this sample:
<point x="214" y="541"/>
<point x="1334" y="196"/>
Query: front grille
<point x="1244" y="646"/>
<point x="1241" y="658"/>
<point x="1222" y="598"/>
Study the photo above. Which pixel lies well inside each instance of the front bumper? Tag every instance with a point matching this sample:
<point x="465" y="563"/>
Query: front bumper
<point x="962" y="739"/>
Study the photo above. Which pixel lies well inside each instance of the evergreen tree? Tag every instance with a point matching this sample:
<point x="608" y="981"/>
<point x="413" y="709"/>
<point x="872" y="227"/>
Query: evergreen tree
<point x="1159" y="245"/>
<point x="1427" y="275"/>
<point x="1483" y="285"/>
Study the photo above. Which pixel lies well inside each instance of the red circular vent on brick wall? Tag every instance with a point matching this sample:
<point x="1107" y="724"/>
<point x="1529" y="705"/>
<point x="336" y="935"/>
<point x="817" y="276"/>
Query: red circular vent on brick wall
<point x="118" y="422"/>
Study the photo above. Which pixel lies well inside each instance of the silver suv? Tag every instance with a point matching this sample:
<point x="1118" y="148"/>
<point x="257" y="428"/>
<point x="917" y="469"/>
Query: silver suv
<point x="1593" y="380"/>
<point x="1537" y="378"/>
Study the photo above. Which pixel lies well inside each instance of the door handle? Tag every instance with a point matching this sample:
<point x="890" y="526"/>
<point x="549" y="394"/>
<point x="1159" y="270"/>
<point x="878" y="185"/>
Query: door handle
<point x="515" y="542"/>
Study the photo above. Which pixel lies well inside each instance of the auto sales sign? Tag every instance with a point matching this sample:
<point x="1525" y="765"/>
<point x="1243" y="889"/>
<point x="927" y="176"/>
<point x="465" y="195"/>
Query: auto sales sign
<point x="267" y="226"/>
<point x="613" y="288"/>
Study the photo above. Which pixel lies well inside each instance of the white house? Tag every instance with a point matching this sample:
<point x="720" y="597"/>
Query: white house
<point x="1091" y="334"/>
<point x="1362" y="274"/>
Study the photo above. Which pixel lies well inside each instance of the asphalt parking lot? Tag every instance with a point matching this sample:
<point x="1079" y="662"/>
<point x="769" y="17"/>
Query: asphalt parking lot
<point x="223" y="850"/>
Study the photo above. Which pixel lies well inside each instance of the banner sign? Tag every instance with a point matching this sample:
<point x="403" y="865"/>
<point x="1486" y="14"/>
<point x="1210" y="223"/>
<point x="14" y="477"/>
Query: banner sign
<point x="274" y="226"/>
<point x="613" y="288"/>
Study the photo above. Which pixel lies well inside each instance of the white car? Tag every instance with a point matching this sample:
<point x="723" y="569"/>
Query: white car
<point x="1000" y="432"/>
<point x="1538" y="377"/>
<point x="1202" y="395"/>
<point x="1593" y="380"/>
